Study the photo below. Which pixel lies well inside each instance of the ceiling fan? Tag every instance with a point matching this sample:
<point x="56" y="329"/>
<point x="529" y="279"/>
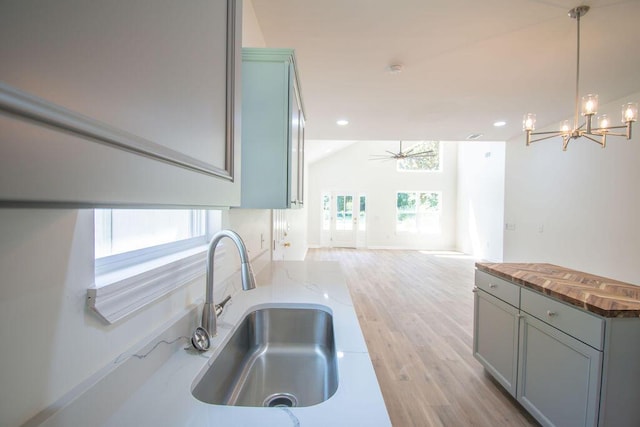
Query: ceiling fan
<point x="400" y="155"/>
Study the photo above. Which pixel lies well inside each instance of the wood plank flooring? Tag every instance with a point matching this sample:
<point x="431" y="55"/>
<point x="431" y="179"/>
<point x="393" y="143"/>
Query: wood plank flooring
<point x="416" y="312"/>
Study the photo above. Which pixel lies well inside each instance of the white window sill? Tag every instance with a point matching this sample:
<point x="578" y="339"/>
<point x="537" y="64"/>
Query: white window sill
<point x="117" y="294"/>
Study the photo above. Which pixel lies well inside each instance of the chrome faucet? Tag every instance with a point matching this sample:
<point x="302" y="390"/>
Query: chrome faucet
<point x="248" y="279"/>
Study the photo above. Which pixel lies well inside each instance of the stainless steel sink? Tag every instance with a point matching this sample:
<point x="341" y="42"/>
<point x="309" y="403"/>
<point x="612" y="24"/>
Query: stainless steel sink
<point x="276" y="357"/>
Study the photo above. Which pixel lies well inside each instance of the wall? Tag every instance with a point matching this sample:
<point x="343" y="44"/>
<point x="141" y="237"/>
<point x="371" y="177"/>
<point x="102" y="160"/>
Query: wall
<point x="480" y="224"/>
<point x="50" y="341"/>
<point x="579" y="208"/>
<point x="351" y="169"/>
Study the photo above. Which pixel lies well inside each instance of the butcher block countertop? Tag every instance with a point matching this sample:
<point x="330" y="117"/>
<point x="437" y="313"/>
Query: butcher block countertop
<point x="599" y="295"/>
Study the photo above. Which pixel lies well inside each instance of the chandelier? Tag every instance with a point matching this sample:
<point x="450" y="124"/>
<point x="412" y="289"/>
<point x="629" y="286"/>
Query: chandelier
<point x="602" y="128"/>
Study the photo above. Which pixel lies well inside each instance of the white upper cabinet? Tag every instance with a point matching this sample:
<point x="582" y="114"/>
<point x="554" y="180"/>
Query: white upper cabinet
<point x="272" y="130"/>
<point x="120" y="103"/>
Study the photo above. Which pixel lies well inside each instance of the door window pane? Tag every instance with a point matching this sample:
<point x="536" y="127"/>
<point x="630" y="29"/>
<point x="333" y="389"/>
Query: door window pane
<point x="344" y="213"/>
<point x="362" y="215"/>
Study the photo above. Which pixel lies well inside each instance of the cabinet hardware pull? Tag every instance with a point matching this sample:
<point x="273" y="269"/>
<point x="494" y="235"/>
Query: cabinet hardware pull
<point x="492" y="286"/>
<point x="474" y="290"/>
<point x="551" y="313"/>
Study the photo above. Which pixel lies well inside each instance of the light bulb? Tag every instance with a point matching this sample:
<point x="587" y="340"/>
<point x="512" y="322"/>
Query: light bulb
<point x="529" y="121"/>
<point x="630" y="112"/>
<point x="565" y="127"/>
<point x="589" y="105"/>
<point x="604" y="122"/>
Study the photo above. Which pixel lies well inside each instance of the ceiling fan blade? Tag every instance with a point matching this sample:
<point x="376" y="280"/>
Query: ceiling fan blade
<point x="424" y="154"/>
<point x="383" y="158"/>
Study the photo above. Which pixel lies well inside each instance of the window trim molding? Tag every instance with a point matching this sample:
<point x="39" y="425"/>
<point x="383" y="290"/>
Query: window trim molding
<point x="116" y="295"/>
<point x="130" y="281"/>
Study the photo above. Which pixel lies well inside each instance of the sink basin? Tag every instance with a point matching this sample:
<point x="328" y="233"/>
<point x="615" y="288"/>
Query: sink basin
<point x="276" y="357"/>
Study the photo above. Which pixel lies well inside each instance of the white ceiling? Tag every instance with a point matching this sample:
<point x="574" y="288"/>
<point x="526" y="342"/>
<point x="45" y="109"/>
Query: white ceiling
<point x="465" y="64"/>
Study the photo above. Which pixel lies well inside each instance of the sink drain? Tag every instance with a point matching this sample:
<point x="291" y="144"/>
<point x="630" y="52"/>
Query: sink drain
<point x="280" y="400"/>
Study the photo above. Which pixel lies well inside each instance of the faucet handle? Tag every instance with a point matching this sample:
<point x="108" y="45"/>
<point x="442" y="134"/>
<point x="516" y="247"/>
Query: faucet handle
<point x="220" y="306"/>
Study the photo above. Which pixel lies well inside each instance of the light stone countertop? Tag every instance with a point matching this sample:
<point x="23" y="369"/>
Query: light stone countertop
<point x="165" y="399"/>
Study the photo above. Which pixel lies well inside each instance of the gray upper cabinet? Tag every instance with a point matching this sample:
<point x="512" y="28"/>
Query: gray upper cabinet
<point x="120" y="103"/>
<point x="272" y="130"/>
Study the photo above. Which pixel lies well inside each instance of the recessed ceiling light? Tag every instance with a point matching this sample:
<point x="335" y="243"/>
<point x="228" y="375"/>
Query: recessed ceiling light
<point x="395" y="68"/>
<point x="342" y="122"/>
<point x="499" y="123"/>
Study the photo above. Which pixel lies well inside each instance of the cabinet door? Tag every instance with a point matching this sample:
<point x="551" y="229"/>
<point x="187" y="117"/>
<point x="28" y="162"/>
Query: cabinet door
<point x="272" y="137"/>
<point x="124" y="102"/>
<point x="495" y="338"/>
<point x="559" y="376"/>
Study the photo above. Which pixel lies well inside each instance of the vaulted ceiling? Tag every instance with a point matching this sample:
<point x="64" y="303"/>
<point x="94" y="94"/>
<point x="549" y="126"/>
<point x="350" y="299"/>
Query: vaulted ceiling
<point x="465" y="64"/>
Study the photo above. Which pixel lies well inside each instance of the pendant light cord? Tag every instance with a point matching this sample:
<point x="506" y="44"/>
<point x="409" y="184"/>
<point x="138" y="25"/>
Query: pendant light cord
<point x="575" y="120"/>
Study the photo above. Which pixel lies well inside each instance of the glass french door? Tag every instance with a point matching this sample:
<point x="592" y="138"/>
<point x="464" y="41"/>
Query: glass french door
<point x="344" y="217"/>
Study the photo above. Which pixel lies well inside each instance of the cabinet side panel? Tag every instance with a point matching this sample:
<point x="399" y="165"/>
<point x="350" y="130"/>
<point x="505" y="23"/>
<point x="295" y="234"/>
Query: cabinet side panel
<point x="620" y="399"/>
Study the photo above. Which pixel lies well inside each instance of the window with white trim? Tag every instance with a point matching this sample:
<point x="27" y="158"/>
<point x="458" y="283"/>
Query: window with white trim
<point x="143" y="254"/>
<point x="430" y="161"/>
<point x="418" y="211"/>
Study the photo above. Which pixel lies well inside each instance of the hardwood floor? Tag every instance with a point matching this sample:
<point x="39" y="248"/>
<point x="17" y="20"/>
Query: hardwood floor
<point x="416" y="312"/>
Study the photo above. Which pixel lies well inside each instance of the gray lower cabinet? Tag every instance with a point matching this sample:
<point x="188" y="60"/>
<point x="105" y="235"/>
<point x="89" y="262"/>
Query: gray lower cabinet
<point x="566" y="366"/>
<point x="495" y="341"/>
<point x="559" y="376"/>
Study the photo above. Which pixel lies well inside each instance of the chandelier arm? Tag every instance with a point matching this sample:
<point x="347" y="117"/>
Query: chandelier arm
<point x="588" y="136"/>
<point x="607" y="131"/>
<point x="555" y="132"/>
<point x="611" y="127"/>
<point x="546" y="137"/>
<point x="612" y="133"/>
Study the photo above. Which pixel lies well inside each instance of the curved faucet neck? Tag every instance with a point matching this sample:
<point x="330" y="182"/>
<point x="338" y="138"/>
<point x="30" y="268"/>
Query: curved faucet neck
<point x="248" y="280"/>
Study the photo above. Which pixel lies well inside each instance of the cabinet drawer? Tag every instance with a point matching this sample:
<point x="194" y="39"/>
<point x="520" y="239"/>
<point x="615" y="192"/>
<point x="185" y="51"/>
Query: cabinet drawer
<point x="573" y="321"/>
<point x="506" y="291"/>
